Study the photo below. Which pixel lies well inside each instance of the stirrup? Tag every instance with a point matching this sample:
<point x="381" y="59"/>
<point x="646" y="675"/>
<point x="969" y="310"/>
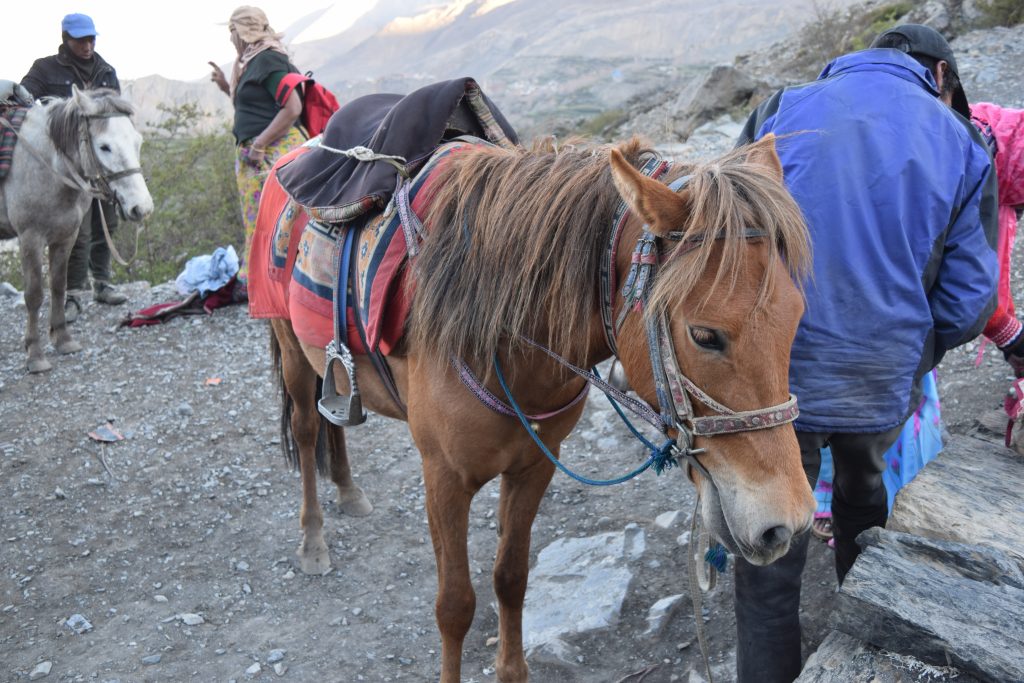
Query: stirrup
<point x="338" y="409"/>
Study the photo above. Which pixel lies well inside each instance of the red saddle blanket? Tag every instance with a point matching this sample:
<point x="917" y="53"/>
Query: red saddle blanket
<point x="294" y="262"/>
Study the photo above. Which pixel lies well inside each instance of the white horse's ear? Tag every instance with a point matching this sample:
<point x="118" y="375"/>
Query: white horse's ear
<point x="662" y="209"/>
<point x="82" y="100"/>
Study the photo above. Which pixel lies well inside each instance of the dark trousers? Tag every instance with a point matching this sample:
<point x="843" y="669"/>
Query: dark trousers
<point x="768" y="598"/>
<point x="91" y="253"/>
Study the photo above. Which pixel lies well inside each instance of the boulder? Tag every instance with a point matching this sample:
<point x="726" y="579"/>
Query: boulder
<point x="941" y="602"/>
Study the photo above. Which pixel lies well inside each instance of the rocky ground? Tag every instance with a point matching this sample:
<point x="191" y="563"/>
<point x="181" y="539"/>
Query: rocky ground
<point x="175" y="544"/>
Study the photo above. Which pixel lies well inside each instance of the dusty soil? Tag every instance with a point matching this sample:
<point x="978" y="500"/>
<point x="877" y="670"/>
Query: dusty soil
<point x="195" y="513"/>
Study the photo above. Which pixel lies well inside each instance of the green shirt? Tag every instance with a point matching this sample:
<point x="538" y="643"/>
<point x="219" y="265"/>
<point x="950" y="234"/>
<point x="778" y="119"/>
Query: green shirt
<point x="255" y="106"/>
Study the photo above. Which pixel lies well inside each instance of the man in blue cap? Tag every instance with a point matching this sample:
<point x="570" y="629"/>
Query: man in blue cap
<point x="76" y="63"/>
<point x="900" y="201"/>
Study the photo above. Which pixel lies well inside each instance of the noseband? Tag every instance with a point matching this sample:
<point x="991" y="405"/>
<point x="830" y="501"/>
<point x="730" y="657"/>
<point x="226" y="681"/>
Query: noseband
<point x="672" y="387"/>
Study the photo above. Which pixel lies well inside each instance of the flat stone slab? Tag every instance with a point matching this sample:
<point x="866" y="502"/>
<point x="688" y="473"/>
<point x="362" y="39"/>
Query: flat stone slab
<point x="579" y="585"/>
<point x="841" y="658"/>
<point x="941" y="602"/>
<point x="971" y="493"/>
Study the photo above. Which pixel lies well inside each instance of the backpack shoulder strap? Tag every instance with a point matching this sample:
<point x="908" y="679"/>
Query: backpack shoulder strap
<point x="287" y="84"/>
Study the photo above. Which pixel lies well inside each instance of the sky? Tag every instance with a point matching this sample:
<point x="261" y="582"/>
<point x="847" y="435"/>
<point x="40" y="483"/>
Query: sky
<point x="172" y="38"/>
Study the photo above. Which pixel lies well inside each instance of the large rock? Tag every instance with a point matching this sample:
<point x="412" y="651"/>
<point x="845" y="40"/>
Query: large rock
<point x="841" y="658"/>
<point x="971" y="493"/>
<point x="724" y="90"/>
<point x="578" y="585"/>
<point x="938" y="601"/>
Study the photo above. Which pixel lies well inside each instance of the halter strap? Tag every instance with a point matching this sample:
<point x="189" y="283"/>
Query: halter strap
<point x="654" y="167"/>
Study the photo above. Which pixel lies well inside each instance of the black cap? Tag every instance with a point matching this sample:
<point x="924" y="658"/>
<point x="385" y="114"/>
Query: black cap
<point x="924" y="40"/>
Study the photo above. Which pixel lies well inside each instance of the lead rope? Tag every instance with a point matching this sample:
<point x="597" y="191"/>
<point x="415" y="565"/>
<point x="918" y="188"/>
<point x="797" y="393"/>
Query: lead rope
<point x="110" y="240"/>
<point x="693" y="548"/>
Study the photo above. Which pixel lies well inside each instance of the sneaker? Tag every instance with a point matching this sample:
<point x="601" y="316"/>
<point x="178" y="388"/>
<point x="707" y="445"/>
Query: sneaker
<point x="72" y="307"/>
<point x="106" y="294"/>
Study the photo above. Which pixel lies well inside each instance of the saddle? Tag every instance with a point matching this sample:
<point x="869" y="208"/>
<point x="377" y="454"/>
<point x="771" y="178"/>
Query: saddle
<point x="335" y="188"/>
<point x="356" y="192"/>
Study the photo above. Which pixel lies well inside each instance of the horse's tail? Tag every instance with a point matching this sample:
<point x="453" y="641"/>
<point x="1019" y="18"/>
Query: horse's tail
<point x="289" y="448"/>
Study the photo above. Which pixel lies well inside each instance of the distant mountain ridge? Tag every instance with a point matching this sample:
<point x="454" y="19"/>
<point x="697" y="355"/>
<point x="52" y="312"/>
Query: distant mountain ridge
<point x="543" y="62"/>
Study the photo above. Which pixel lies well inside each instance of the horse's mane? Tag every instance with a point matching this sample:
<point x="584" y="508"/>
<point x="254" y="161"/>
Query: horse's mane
<point x="517" y="238"/>
<point x="727" y="196"/>
<point x="65" y="116"/>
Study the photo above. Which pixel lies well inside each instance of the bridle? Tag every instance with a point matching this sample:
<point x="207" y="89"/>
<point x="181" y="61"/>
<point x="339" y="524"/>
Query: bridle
<point x="96" y="183"/>
<point x="672" y="388"/>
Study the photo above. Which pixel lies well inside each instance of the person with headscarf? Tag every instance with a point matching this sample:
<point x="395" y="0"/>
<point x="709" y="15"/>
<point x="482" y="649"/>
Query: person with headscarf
<point x="77" y="63"/>
<point x="264" y="128"/>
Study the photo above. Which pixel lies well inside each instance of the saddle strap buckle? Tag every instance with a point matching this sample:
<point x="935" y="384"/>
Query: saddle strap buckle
<point x="339" y="409"/>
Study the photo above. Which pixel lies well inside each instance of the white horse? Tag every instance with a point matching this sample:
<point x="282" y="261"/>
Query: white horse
<point x="68" y="152"/>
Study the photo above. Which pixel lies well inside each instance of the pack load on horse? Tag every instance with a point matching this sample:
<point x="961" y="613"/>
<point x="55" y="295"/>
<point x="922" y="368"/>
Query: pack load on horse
<point x="66" y="152"/>
<point x="474" y="278"/>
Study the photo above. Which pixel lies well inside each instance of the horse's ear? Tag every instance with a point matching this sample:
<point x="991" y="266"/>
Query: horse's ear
<point x="763" y="153"/>
<point x="658" y="206"/>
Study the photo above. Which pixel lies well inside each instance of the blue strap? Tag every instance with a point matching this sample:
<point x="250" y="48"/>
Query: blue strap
<point x="660" y="458"/>
<point x="341" y="315"/>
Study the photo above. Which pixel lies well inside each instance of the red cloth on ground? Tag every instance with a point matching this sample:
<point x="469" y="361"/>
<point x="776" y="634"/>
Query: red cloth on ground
<point x="1007" y="126"/>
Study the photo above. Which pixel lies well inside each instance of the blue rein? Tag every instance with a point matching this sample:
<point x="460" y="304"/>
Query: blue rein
<point x="660" y="459"/>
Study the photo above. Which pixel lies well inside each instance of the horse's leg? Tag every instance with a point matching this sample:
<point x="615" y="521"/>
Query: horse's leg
<point x="448" y="501"/>
<point x="31" y="246"/>
<point x="300" y="385"/>
<point x="521" y="493"/>
<point x="351" y="499"/>
<point x="59" y="253"/>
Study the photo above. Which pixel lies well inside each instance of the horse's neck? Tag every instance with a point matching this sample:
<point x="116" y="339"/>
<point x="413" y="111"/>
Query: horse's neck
<point x="36" y="132"/>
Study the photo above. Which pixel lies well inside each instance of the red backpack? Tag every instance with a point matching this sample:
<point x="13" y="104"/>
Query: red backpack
<point x="318" y="103"/>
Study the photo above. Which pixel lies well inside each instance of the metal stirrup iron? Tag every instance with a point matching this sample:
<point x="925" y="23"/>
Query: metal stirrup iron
<point x="339" y="409"/>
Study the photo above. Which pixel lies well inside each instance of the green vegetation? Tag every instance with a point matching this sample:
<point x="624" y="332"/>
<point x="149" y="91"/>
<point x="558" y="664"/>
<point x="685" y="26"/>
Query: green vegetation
<point x="599" y="125"/>
<point x="836" y="31"/>
<point x="191" y="177"/>
<point x="879" y="20"/>
<point x="1001" y="12"/>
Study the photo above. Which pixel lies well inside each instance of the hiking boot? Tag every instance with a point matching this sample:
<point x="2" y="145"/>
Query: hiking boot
<point x="72" y="307"/>
<point x="106" y="294"/>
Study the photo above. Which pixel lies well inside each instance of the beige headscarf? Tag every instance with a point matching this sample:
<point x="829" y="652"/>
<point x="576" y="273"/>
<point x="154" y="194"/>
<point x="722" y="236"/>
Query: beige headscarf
<point x="251" y="31"/>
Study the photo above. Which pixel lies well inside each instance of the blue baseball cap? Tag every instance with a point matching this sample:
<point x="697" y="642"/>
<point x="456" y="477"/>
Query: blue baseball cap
<point x="78" y="26"/>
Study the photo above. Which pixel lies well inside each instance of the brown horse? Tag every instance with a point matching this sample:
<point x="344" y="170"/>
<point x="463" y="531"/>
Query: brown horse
<point x="515" y="247"/>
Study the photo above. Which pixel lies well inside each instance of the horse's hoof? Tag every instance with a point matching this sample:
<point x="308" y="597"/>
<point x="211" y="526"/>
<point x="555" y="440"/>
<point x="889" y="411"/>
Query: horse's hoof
<point x="314" y="560"/>
<point x="70" y="346"/>
<point x="354" y="502"/>
<point x="38" y="365"/>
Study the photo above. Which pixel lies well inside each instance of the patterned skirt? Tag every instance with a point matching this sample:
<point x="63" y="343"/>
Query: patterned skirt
<point x="250" y="181"/>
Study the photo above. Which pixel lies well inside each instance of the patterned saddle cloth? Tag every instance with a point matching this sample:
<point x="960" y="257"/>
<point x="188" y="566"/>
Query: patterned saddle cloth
<point x="15" y="115"/>
<point x="294" y="263"/>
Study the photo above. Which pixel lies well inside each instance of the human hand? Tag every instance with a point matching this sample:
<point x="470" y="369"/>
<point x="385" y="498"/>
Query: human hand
<point x="255" y="155"/>
<point x="218" y="77"/>
<point x="1014" y="355"/>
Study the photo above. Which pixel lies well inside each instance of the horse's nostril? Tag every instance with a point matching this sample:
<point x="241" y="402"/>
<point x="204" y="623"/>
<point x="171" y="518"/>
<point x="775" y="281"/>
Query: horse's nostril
<point x="776" y="536"/>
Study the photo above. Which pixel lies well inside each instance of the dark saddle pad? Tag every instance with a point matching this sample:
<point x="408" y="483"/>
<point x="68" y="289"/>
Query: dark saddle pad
<point x="334" y="188"/>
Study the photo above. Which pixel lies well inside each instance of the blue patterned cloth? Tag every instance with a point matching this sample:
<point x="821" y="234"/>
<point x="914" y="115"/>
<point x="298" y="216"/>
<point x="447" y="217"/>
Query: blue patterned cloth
<point x="918" y="444"/>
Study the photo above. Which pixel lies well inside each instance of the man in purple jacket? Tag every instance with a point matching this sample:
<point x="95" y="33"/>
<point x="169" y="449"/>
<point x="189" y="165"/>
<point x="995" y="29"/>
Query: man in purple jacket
<point x="900" y="201"/>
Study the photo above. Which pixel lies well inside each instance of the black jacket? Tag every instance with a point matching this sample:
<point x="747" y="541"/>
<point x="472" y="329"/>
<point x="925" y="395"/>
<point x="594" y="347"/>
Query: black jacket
<point x="53" y="76"/>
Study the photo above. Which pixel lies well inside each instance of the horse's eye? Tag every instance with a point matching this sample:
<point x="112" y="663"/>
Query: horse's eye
<point x="707" y="338"/>
<point x="104" y="148"/>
